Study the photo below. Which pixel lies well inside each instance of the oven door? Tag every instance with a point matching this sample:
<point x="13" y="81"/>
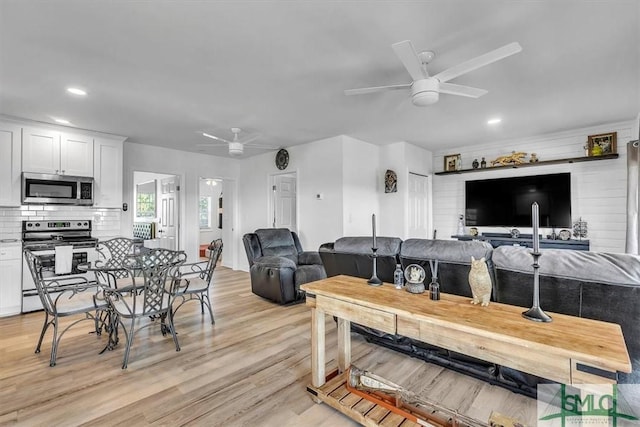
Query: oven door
<point x="30" y="298"/>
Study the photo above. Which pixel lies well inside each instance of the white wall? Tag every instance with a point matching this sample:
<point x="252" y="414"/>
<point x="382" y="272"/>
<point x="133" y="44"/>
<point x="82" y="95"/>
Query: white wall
<point x="361" y="186"/>
<point x="598" y="188"/>
<point x="190" y="167"/>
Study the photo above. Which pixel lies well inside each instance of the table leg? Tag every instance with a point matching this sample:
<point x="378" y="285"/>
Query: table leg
<point x="344" y="345"/>
<point x="317" y="349"/>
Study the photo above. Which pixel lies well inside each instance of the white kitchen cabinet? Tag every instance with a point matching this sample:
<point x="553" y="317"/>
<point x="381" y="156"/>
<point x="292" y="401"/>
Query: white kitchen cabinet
<point x="10" y="164"/>
<point x="54" y="152"/>
<point x="10" y="278"/>
<point x="107" y="167"/>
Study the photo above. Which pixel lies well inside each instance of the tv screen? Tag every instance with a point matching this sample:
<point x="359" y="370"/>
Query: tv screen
<point x="506" y="202"/>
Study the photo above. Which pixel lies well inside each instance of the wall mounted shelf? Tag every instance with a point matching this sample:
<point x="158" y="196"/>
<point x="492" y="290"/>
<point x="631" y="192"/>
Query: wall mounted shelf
<point x="526" y="165"/>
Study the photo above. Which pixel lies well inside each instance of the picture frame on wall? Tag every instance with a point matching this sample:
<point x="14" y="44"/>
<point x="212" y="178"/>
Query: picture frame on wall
<point x="602" y="144"/>
<point x="452" y="162"/>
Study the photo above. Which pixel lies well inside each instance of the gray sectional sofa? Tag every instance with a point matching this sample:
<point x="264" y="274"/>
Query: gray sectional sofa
<point x="602" y="286"/>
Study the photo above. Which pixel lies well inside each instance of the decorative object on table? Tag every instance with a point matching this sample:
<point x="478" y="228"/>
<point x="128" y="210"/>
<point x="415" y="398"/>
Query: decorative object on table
<point x="535" y="313"/>
<point x="414" y="276"/>
<point x="390" y="181"/>
<point x="533" y="158"/>
<point x="475" y="164"/>
<point x="515" y="233"/>
<point x="460" y="230"/>
<point x="580" y="229"/>
<point x="483" y="163"/>
<point x="282" y="159"/>
<point x="452" y="162"/>
<point x="480" y="282"/>
<point x="374" y="281"/>
<point x="602" y="144"/>
<point x="516" y="158"/>
<point x="564" y="235"/>
<point x="553" y="235"/>
<point x="434" y="286"/>
<point x="398" y="277"/>
<point x="473" y="231"/>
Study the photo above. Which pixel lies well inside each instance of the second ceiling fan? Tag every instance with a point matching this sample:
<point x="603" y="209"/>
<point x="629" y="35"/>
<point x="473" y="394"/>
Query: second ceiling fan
<point x="236" y="145"/>
<point x="425" y="89"/>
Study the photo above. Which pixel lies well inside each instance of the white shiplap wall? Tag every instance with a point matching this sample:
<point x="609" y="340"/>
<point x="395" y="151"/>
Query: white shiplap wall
<point x="598" y="188"/>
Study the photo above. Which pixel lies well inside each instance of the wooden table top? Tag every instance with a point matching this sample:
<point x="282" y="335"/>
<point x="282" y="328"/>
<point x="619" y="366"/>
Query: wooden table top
<point x="580" y="338"/>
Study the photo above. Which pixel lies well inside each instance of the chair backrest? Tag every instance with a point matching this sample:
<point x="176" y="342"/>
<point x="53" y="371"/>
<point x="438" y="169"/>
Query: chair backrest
<point x="156" y="268"/>
<point x="116" y="249"/>
<point x="215" y="250"/>
<point x="35" y="267"/>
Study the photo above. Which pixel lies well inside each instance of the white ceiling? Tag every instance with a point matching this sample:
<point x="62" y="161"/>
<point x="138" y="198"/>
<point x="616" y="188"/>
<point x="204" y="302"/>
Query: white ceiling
<point x="160" y="72"/>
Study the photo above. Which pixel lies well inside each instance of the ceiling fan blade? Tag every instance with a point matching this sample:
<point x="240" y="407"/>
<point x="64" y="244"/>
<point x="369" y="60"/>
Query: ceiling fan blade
<point x="214" y="137"/>
<point x="250" y="138"/>
<point x="365" y="90"/>
<point x="410" y="60"/>
<point x="453" y="89"/>
<point x="479" y="61"/>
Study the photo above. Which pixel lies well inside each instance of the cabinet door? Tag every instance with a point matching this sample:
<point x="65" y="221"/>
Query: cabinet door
<point x="108" y="173"/>
<point x="76" y="155"/>
<point x="40" y="150"/>
<point x="10" y="164"/>
<point x="11" y="286"/>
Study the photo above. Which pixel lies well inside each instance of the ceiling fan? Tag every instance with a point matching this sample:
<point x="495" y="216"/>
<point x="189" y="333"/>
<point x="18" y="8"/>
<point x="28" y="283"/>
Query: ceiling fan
<point x="425" y="89"/>
<point x="236" y="145"/>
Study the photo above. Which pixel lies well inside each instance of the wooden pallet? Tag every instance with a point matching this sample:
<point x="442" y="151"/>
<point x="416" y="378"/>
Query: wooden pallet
<point x="335" y="394"/>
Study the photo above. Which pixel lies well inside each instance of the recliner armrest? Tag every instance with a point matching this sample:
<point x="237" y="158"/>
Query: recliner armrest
<point x="275" y="262"/>
<point x="309" y="258"/>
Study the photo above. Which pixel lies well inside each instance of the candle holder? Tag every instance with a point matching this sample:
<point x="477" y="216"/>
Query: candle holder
<point x="374" y="281"/>
<point x="535" y="313"/>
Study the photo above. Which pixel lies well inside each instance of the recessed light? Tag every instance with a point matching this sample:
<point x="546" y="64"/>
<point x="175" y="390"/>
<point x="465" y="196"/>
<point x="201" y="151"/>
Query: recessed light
<point x="494" y="121"/>
<point x="76" y="91"/>
<point x="62" y="121"/>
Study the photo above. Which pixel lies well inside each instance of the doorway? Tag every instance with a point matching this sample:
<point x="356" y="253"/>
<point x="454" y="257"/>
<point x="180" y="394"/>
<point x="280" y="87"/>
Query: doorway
<point x="283" y="209"/>
<point x="157" y="201"/>
<point x="216" y="217"/>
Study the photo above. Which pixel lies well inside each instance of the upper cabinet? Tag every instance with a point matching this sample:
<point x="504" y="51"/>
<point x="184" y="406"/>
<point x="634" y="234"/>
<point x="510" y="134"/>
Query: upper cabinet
<point x="108" y="173"/>
<point x="49" y="151"/>
<point x="10" y="163"/>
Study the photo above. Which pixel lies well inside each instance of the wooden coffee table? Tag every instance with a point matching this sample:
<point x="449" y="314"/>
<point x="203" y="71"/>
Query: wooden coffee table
<point x="568" y="350"/>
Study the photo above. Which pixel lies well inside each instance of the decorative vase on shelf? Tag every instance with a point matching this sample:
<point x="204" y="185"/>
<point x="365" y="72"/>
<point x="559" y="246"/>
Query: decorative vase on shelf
<point x="483" y="163"/>
<point x="475" y="164"/>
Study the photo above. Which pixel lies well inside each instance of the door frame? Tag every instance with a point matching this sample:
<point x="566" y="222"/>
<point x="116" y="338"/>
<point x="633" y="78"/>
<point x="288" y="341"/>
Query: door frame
<point x="271" y="198"/>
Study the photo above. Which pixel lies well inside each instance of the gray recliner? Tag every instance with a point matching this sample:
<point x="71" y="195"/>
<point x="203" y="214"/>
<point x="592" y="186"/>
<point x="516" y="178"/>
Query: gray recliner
<point x="278" y="265"/>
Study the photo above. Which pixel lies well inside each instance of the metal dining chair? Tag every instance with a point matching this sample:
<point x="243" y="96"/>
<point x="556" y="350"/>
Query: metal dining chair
<point x="61" y="298"/>
<point x="116" y="250"/>
<point x="149" y="295"/>
<point x="195" y="280"/>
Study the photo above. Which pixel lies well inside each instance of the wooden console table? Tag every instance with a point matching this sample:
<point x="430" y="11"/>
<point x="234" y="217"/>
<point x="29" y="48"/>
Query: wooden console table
<point x="568" y="350"/>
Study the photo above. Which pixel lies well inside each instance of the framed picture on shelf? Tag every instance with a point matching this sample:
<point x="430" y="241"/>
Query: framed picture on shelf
<point x="452" y="162"/>
<point x="602" y="144"/>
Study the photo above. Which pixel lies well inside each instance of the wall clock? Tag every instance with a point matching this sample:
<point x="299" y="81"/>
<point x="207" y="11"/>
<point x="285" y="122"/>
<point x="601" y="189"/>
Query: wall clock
<point x="282" y="159"/>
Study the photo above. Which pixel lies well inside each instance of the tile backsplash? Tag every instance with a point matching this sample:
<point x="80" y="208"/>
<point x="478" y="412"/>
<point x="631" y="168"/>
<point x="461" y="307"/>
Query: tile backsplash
<point x="105" y="222"/>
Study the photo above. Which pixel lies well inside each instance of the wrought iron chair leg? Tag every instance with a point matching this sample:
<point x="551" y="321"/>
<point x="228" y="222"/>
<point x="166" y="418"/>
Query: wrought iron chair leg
<point x="45" y="326"/>
<point x="55" y="342"/>
<point x="132" y="332"/>
<point x="173" y="331"/>
<point x="208" y="302"/>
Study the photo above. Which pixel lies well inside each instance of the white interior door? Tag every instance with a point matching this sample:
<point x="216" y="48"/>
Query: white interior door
<point x="168" y="226"/>
<point x="284" y="202"/>
<point x="418" y="206"/>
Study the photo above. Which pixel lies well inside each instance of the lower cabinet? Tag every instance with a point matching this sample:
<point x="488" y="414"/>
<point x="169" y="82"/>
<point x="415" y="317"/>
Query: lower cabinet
<point x="11" y="278"/>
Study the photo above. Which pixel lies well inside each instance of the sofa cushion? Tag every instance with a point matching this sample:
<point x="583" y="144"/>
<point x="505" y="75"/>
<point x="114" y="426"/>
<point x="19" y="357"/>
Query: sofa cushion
<point x="277" y="242"/>
<point x="387" y="246"/>
<point x="454" y="261"/>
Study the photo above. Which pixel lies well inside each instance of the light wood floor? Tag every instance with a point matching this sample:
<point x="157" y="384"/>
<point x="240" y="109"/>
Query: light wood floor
<point x="250" y="368"/>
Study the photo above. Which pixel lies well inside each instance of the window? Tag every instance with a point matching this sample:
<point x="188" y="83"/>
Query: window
<point x="146" y="200"/>
<point x="205" y="212"/>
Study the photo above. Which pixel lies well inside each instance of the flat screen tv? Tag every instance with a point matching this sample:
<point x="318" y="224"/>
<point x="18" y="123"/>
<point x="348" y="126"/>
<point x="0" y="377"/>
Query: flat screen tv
<point x="506" y="202"/>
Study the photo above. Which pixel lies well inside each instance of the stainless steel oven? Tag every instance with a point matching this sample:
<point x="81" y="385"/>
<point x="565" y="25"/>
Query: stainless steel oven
<point x="42" y="238"/>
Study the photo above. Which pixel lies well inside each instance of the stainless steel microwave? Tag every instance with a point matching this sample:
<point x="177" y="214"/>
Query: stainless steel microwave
<point x="38" y="188"/>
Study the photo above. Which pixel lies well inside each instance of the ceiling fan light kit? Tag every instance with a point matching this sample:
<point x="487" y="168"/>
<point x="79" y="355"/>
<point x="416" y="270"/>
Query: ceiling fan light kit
<point x="425" y="89"/>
